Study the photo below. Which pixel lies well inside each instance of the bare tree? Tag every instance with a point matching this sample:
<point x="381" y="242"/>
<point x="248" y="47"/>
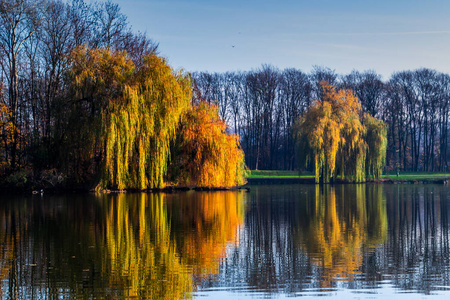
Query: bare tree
<point x="368" y="87"/>
<point x="111" y="25"/>
<point x="19" y="19"/>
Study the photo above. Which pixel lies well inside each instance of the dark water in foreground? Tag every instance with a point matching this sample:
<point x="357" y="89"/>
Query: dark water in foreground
<point x="347" y="242"/>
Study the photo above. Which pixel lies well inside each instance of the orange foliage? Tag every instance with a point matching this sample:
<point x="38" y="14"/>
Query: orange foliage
<point x="6" y="132"/>
<point x="206" y="155"/>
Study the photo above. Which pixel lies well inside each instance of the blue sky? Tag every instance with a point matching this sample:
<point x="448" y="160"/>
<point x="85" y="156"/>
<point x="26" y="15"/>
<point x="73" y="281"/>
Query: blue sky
<point x="219" y="36"/>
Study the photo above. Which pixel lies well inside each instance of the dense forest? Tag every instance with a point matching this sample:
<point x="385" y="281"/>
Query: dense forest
<point x="263" y="105"/>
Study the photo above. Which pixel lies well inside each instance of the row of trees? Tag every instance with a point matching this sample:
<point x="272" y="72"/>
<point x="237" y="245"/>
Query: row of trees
<point x="36" y="38"/>
<point x="93" y="102"/>
<point x="263" y="105"/>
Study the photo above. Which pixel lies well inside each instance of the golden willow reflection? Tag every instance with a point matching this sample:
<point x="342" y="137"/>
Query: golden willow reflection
<point x="150" y="258"/>
<point x="342" y="224"/>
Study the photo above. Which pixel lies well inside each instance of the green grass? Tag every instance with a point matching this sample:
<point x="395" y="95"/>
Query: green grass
<point x="415" y="175"/>
<point x="391" y="175"/>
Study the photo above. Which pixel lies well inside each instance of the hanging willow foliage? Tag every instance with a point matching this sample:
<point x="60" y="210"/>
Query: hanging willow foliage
<point x="133" y="114"/>
<point x="139" y="129"/>
<point x="333" y="138"/>
<point x="124" y="121"/>
<point x="376" y="139"/>
<point x="206" y="155"/>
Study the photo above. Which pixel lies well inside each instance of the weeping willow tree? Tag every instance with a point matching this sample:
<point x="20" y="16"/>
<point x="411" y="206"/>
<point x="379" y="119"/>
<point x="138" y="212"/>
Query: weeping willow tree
<point x="376" y="139"/>
<point x="336" y="140"/>
<point x="206" y="155"/>
<point x="124" y="119"/>
<point x="130" y="116"/>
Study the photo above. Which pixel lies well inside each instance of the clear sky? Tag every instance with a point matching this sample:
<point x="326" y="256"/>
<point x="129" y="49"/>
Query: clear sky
<point x="230" y="35"/>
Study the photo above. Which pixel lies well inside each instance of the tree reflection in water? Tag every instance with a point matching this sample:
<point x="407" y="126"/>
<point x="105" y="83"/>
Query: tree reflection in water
<point x="292" y="240"/>
<point x="343" y="226"/>
<point x="115" y="245"/>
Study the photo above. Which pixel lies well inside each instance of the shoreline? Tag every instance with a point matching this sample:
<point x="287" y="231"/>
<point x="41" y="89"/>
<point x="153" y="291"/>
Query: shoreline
<point x="251" y="181"/>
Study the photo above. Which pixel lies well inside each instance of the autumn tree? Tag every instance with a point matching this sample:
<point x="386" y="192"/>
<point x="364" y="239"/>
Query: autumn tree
<point x="205" y="154"/>
<point x="125" y="117"/>
<point x="5" y="133"/>
<point x="333" y="137"/>
<point x="376" y="140"/>
<point x="130" y="116"/>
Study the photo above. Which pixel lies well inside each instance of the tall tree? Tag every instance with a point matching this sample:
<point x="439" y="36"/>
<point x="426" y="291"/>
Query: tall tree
<point x="332" y="137"/>
<point x="132" y="114"/>
<point x="19" y="19"/>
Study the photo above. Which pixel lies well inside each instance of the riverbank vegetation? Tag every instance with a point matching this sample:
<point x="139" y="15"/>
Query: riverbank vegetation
<point x="258" y="177"/>
<point x="87" y="103"/>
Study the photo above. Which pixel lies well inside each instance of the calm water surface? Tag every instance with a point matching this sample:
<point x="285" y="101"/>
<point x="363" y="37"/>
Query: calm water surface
<point x="347" y="242"/>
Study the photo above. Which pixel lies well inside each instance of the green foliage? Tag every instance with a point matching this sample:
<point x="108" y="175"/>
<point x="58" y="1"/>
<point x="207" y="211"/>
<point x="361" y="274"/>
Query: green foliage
<point x="333" y="138"/>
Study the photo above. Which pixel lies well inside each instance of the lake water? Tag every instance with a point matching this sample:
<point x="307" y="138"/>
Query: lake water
<point x="344" y="241"/>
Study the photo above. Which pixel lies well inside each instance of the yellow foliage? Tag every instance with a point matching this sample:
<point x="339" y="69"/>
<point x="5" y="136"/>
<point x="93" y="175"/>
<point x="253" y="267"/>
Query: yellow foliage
<point x="332" y="136"/>
<point x="338" y="231"/>
<point x="376" y="138"/>
<point x="6" y="133"/>
<point x="135" y="114"/>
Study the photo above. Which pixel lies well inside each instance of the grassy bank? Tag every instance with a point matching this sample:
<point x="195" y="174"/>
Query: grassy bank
<point x="415" y="175"/>
<point x="403" y="176"/>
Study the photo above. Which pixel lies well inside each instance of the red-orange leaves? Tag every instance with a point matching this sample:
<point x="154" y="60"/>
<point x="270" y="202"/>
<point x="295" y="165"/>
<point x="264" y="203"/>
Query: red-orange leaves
<point x="206" y="155"/>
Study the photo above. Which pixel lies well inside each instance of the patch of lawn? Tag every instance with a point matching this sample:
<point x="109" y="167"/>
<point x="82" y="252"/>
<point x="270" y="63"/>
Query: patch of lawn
<point x="415" y="175"/>
<point x="402" y="176"/>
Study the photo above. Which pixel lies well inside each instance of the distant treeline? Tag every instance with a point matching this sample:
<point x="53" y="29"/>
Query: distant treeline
<point x="262" y="106"/>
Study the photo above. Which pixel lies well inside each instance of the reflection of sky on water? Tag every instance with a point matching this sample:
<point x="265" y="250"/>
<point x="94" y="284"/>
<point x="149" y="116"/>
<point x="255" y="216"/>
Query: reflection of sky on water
<point x="384" y="291"/>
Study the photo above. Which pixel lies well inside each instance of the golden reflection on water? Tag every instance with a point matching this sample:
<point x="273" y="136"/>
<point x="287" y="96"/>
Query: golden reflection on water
<point x="207" y="223"/>
<point x="149" y="259"/>
<point x="141" y="258"/>
<point x="341" y="224"/>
